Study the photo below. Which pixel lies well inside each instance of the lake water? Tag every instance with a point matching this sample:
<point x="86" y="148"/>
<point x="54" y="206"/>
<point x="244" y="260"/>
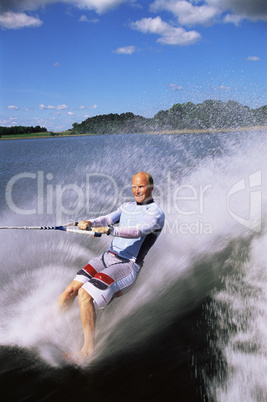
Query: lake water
<point x="194" y="327"/>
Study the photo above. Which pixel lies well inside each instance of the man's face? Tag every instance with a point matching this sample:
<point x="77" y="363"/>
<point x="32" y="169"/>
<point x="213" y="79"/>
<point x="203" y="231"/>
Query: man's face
<point x="141" y="188"/>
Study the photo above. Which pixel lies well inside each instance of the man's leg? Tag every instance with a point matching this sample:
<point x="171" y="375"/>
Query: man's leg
<point x="124" y="275"/>
<point x="69" y="294"/>
<point x="88" y="318"/>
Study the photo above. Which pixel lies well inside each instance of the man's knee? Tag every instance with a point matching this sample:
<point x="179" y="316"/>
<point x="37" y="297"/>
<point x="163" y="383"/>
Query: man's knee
<point x="72" y="289"/>
<point x="84" y="296"/>
<point x="69" y="294"/>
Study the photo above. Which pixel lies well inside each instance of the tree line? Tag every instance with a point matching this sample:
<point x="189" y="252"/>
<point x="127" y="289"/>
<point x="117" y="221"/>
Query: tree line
<point x="207" y="115"/>
<point x="21" y="130"/>
<point x="210" y="114"/>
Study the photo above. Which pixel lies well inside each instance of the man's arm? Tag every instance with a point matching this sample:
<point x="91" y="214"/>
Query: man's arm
<point x="101" y="221"/>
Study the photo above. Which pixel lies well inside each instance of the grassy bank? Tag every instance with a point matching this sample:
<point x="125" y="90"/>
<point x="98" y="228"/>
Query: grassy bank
<point x="211" y="130"/>
<point x="32" y="135"/>
<point x="170" y="132"/>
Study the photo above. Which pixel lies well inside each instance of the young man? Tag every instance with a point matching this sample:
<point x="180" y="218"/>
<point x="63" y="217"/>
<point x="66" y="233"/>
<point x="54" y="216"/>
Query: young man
<point x="113" y="273"/>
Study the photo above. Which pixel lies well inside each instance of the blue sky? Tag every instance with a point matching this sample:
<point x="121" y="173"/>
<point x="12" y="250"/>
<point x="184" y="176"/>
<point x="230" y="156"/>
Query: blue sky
<point x="63" y="61"/>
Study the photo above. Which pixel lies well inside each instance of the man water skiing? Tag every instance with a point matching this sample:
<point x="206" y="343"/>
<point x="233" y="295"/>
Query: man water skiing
<point x="115" y="272"/>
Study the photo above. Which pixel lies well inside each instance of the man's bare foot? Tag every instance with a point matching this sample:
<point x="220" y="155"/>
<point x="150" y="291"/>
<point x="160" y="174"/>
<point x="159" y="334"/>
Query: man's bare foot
<point x="80" y="357"/>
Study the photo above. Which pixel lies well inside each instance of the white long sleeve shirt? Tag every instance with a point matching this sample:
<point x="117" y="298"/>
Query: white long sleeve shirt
<point x="139" y="228"/>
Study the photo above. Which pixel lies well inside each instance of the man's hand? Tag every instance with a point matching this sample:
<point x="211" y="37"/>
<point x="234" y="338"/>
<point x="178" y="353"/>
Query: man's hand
<point x="84" y="225"/>
<point x="102" y="230"/>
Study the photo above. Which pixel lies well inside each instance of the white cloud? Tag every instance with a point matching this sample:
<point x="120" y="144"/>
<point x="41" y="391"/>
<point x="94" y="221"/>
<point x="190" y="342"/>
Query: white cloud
<point x="125" y="50"/>
<point x="250" y="9"/>
<point x="100" y="6"/>
<point x="169" y="35"/>
<point x="58" y="107"/>
<point x="223" y="88"/>
<point x="11" y="20"/>
<point x="70" y="114"/>
<point x="13" y="16"/>
<point x="12" y="107"/>
<point x="88" y="107"/>
<point x="56" y="64"/>
<point x="10" y="121"/>
<point x="187" y="13"/>
<point x="206" y="12"/>
<point x="232" y="18"/>
<point x="83" y="18"/>
<point x="253" y="58"/>
<point x="174" y="87"/>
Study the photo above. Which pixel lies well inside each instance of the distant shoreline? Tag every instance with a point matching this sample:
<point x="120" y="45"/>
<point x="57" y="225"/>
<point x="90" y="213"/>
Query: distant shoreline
<point x="163" y="132"/>
<point x="209" y="130"/>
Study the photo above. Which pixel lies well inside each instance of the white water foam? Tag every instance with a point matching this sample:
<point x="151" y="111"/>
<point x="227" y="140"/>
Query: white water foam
<point x="242" y="317"/>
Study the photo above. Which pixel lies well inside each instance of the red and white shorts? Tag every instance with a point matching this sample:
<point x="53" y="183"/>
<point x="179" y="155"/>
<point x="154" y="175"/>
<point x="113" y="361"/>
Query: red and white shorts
<point x="106" y="277"/>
